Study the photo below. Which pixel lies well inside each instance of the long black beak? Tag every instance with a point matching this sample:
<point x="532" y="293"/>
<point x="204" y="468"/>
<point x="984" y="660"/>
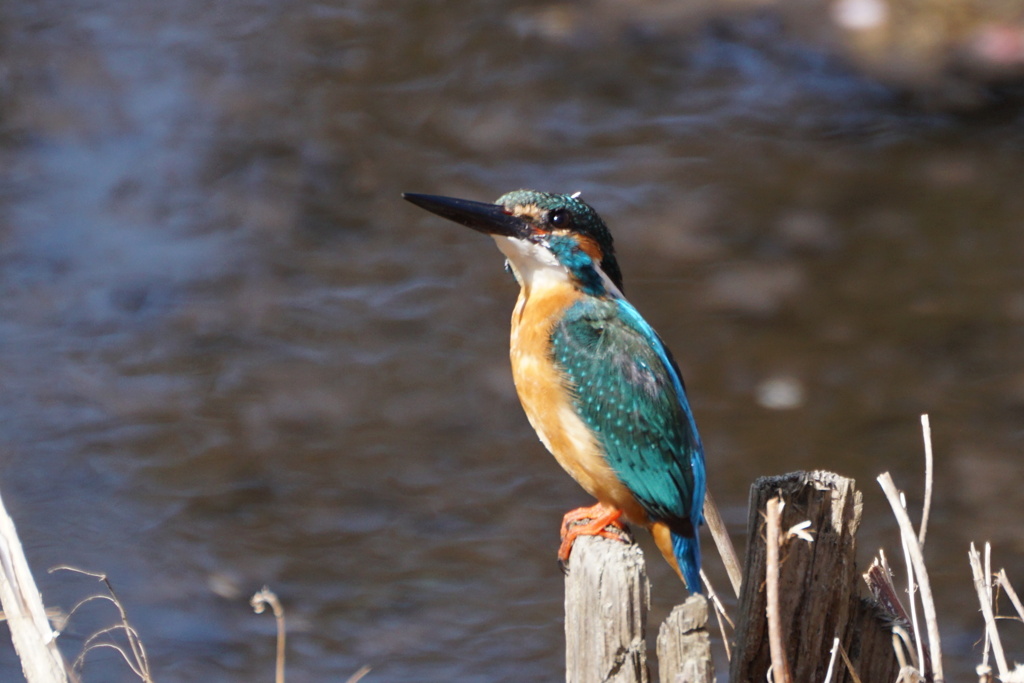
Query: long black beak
<point x="490" y="219"/>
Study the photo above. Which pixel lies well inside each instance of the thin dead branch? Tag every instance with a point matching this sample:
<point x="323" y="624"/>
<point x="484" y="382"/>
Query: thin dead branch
<point x="31" y="633"/>
<point x="832" y="659"/>
<point x="1004" y="582"/>
<point x="358" y="675"/>
<point x="917" y="557"/>
<point x="713" y="518"/>
<point x="912" y="592"/>
<point x="720" y="614"/>
<point x="260" y="601"/>
<point x="987" y="573"/>
<point x="985" y="599"/>
<point x="849" y="664"/>
<point x="780" y="665"/>
<point x="135" y="656"/>
<point x="926" y="431"/>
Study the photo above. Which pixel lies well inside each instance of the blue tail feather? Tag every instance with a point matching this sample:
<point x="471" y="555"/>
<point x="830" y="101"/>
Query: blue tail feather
<point x="687" y="552"/>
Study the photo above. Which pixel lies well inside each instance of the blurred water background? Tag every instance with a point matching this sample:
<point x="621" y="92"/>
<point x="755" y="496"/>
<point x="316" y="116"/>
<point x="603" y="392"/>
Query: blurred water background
<point x="231" y="356"/>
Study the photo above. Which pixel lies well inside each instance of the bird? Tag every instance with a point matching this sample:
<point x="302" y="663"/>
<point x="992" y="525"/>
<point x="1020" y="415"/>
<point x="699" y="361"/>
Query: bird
<point x="595" y="380"/>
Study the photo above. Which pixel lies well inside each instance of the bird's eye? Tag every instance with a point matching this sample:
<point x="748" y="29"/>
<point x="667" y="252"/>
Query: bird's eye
<point x="559" y="218"/>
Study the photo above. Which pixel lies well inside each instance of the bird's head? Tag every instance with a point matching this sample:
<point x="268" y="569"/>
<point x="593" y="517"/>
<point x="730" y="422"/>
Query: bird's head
<point x="542" y="235"/>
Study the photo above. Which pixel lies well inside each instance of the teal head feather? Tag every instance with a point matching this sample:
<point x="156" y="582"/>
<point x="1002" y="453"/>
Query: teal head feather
<point x="559" y="221"/>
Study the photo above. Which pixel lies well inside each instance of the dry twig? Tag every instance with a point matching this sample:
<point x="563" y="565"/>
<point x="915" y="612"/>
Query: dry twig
<point x="912" y="593"/>
<point x="780" y="665"/>
<point x="832" y="659"/>
<point x="1004" y="582"/>
<point x="720" y="614"/>
<point x="358" y="675"/>
<point x="136" y="659"/>
<point x="985" y="599"/>
<point x="31" y="633"/>
<point x="259" y="603"/>
<point x="917" y="557"/>
<point x="849" y="664"/>
<point x="713" y="518"/>
<point x="926" y="430"/>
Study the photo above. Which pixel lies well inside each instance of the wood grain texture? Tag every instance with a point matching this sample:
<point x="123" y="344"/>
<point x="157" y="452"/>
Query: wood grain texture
<point x="818" y="584"/>
<point x="606" y="602"/>
<point x="684" y="645"/>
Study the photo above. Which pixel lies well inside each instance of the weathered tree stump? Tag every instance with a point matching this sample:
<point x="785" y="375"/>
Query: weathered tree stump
<point x="818" y="586"/>
<point x="606" y="602"/>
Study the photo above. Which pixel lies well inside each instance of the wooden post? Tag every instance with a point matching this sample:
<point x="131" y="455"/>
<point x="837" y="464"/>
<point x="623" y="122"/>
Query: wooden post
<point x="818" y="585"/>
<point x="607" y="596"/>
<point x="606" y="601"/>
<point x="684" y="646"/>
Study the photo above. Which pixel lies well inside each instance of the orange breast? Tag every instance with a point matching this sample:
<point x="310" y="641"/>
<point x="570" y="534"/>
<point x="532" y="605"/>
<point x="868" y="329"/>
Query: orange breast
<point x="547" y="398"/>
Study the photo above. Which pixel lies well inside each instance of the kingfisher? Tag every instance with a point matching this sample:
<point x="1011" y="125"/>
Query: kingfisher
<point x="596" y="382"/>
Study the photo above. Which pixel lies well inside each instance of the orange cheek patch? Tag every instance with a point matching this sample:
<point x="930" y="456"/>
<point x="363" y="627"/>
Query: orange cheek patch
<point x="590" y="247"/>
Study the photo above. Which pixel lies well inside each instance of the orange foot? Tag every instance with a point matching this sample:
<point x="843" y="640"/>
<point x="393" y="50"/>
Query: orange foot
<point x="589" y="521"/>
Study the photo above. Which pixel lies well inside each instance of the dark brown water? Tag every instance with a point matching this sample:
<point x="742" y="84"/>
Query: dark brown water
<point x="232" y="356"/>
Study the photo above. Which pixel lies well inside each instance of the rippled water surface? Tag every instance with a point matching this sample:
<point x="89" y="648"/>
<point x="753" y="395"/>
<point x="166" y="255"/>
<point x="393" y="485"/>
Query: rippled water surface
<point x="232" y="356"/>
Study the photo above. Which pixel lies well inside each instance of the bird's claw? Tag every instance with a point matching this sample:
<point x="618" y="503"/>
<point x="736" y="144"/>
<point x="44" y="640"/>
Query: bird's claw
<point x="595" y="521"/>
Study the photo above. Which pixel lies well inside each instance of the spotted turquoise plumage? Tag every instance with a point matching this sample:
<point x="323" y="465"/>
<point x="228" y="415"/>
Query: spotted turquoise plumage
<point x="629" y="392"/>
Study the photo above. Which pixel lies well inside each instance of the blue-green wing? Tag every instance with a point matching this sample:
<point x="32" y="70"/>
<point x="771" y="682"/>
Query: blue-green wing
<point x="629" y="391"/>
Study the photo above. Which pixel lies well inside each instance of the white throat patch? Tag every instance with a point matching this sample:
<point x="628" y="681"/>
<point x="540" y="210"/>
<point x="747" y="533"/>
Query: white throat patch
<point x="535" y="266"/>
<point x="532" y="264"/>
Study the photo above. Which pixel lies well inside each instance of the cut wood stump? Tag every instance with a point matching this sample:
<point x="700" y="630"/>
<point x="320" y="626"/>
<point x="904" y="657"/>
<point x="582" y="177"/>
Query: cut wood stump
<point x="684" y="646"/>
<point x="606" y="600"/>
<point x="818" y="586"/>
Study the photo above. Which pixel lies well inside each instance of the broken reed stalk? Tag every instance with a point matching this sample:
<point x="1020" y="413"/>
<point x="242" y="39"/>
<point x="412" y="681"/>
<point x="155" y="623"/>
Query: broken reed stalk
<point x="726" y="550"/>
<point x="359" y="674"/>
<point x="929" y="460"/>
<point x="912" y="594"/>
<point x="988" y="589"/>
<point x="850" y="668"/>
<point x="773" y="540"/>
<point x="1004" y="582"/>
<point x="721" y="616"/>
<point x="984" y="591"/>
<point x="260" y="601"/>
<point x="135" y="656"/>
<point x="917" y="558"/>
<point x="31" y="633"/>
<point x="832" y="660"/>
